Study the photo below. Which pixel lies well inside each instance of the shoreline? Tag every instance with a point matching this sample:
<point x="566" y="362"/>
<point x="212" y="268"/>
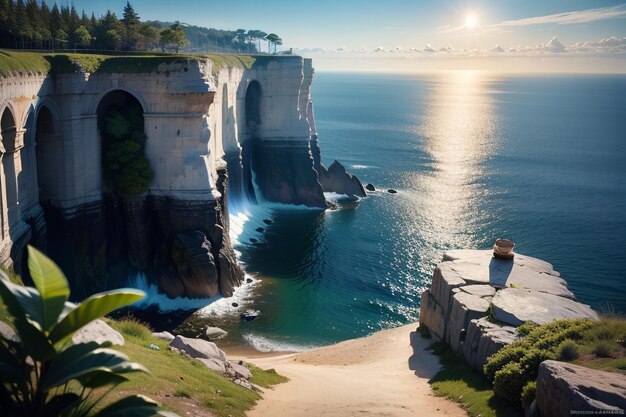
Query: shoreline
<point x="386" y="373"/>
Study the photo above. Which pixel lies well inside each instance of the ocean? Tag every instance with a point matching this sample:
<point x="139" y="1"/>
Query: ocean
<point x="474" y="156"/>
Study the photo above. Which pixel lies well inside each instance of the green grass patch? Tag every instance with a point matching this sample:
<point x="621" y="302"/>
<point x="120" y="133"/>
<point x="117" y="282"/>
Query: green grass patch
<point x="22" y="63"/>
<point x="177" y="380"/>
<point x="130" y="326"/>
<point x="265" y="378"/>
<point x="459" y="383"/>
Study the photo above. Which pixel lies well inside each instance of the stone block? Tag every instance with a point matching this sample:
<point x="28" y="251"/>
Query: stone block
<point x="515" y="306"/>
<point x="432" y="315"/>
<point x="564" y="389"/>
<point x="464" y="307"/>
<point x="484" y="338"/>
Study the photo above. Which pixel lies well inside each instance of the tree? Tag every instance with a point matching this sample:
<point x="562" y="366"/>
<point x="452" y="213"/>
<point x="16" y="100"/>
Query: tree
<point x="172" y="38"/>
<point x="81" y="37"/>
<point x="42" y="368"/>
<point x="150" y="37"/>
<point x="273" y="39"/>
<point x="257" y="35"/>
<point x="131" y="24"/>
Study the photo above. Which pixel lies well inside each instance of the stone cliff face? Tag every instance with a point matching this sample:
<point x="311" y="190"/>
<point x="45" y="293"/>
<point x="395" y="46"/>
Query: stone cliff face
<point x="217" y="138"/>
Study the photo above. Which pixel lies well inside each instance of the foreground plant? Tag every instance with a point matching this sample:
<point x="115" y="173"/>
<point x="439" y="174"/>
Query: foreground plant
<point x="44" y="374"/>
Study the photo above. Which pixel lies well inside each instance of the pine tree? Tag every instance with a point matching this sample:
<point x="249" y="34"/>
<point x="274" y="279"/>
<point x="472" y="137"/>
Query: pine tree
<point x="55" y="24"/>
<point x="131" y="24"/>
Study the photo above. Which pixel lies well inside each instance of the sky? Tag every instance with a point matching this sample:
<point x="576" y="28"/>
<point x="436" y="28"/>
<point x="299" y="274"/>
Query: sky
<point x="541" y="35"/>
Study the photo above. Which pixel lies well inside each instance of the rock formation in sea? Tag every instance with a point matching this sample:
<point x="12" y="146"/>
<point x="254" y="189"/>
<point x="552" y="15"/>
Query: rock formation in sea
<point x="217" y="135"/>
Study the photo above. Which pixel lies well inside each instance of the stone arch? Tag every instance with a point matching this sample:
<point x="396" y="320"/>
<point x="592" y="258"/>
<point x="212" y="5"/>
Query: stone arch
<point x="97" y="103"/>
<point x="253" y="108"/>
<point x="8" y="133"/>
<point x="124" y="102"/>
<point x="47" y="153"/>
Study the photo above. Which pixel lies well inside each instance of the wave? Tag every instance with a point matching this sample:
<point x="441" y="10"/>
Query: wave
<point x="264" y="344"/>
<point x="361" y="166"/>
<point x="209" y="305"/>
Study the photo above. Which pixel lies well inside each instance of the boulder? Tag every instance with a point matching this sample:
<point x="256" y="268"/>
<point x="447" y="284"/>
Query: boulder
<point x="214" y="364"/>
<point x="564" y="389"/>
<point x="165" y="335"/>
<point x="335" y="179"/>
<point x="515" y="306"/>
<point x="214" y="332"/>
<point x="198" y="348"/>
<point x="239" y="370"/>
<point x="370" y="187"/>
<point x="444" y="280"/>
<point x="98" y="331"/>
<point x="392" y="191"/>
<point x="484" y="338"/>
<point x="483" y="291"/>
<point x="195" y="264"/>
<point x="464" y="307"/>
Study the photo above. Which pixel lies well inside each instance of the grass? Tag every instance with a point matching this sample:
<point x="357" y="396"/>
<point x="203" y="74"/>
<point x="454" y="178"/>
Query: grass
<point x="67" y="63"/>
<point x="178" y="381"/>
<point x="459" y="383"/>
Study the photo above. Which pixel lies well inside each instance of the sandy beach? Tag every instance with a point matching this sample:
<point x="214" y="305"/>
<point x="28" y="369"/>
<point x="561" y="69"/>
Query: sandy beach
<point x="385" y="374"/>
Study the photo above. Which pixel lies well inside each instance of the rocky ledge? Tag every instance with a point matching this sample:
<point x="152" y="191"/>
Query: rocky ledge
<point x="476" y="301"/>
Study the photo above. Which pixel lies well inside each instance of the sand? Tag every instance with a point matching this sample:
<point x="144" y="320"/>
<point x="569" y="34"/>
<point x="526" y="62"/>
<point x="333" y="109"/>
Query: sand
<point x="385" y="374"/>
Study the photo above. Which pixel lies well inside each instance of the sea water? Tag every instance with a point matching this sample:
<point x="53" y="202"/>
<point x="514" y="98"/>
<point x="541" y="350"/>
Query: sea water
<point x="474" y="156"/>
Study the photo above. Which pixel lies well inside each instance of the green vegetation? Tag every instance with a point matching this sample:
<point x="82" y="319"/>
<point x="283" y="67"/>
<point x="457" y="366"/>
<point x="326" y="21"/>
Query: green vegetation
<point x="458" y="382"/>
<point x="125" y="167"/>
<point x="597" y="344"/>
<point x="30" y="24"/>
<point x="509" y="379"/>
<point x="266" y="378"/>
<point x="130" y="326"/>
<point x="44" y="374"/>
<point x="23" y="63"/>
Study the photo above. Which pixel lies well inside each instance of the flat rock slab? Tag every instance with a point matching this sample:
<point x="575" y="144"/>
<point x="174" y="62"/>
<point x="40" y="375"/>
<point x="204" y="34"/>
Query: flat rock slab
<point x="215" y="332"/>
<point x="198" y="348"/>
<point x="485" y="338"/>
<point x="479" y="290"/>
<point x="564" y="389"/>
<point x="465" y="307"/>
<point x="165" y="335"/>
<point x="480" y="267"/>
<point x="515" y="306"/>
<point x="214" y="364"/>
<point x="98" y="331"/>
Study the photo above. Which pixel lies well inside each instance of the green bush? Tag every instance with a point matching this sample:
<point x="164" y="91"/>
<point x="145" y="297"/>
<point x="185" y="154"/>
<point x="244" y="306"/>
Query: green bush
<point x="130" y="326"/>
<point x="568" y="350"/>
<point x="45" y="374"/>
<point x="604" y="348"/>
<point x="525" y="328"/>
<point x="529" y="393"/>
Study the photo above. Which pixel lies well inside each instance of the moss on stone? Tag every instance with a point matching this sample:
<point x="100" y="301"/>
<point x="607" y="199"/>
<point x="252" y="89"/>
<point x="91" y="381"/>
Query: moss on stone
<point x="12" y="62"/>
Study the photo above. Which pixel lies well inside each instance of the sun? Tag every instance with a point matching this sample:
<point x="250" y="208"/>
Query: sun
<point x="471" y="21"/>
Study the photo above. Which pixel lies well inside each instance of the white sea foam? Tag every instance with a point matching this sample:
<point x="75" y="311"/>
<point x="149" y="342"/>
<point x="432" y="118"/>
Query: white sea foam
<point x="360" y="166"/>
<point x="264" y="344"/>
<point x="209" y="305"/>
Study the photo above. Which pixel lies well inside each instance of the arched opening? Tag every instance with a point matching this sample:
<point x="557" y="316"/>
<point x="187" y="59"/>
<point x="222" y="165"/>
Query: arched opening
<point x="47" y="167"/>
<point x="8" y="131"/>
<point x="125" y="169"/>
<point x="253" y="122"/>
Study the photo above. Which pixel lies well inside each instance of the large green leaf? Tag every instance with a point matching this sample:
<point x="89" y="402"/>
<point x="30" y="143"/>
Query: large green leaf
<point x="92" y="308"/>
<point x="34" y="341"/>
<point x="134" y="406"/>
<point x="80" y="361"/>
<point x="22" y="302"/>
<point x="51" y="284"/>
<point x="101" y="379"/>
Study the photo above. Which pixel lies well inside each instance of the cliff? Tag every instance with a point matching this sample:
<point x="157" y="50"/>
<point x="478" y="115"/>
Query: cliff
<point x="219" y="129"/>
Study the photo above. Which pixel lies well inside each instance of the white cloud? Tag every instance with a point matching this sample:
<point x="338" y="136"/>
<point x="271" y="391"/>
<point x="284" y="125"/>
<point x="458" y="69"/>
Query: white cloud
<point x="429" y="48"/>
<point x="497" y="49"/>
<point x="568" y="18"/>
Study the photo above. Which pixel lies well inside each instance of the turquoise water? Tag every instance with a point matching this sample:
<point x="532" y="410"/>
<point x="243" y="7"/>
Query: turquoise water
<point x="539" y="159"/>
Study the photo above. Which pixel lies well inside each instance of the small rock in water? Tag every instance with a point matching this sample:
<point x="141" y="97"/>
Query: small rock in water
<point x="370" y="187"/>
<point x="260" y="229"/>
<point x="154" y="347"/>
<point x="253" y="240"/>
<point x="391" y="191"/>
<point x="248" y="280"/>
<point x="235" y="304"/>
<point x="267" y="221"/>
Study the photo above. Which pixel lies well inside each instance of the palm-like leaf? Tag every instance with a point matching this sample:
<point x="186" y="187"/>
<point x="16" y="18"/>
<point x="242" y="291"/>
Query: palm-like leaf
<point x="82" y="363"/>
<point x="92" y="308"/>
<point x="134" y="406"/>
<point x="51" y="284"/>
<point x="22" y="302"/>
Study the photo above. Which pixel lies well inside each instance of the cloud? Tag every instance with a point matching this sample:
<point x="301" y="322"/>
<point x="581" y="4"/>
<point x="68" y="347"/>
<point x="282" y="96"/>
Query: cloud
<point x="497" y="49"/>
<point x="569" y="18"/>
<point x="429" y="48"/>
<point x="554" y="45"/>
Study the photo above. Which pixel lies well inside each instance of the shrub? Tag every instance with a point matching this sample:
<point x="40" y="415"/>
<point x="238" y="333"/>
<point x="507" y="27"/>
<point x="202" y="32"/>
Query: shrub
<point x="424" y="331"/>
<point x="130" y="326"/>
<point x="525" y="328"/>
<point x="41" y="372"/>
<point x="604" y="348"/>
<point x="509" y="381"/>
<point x="529" y="393"/>
<point x="568" y="350"/>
